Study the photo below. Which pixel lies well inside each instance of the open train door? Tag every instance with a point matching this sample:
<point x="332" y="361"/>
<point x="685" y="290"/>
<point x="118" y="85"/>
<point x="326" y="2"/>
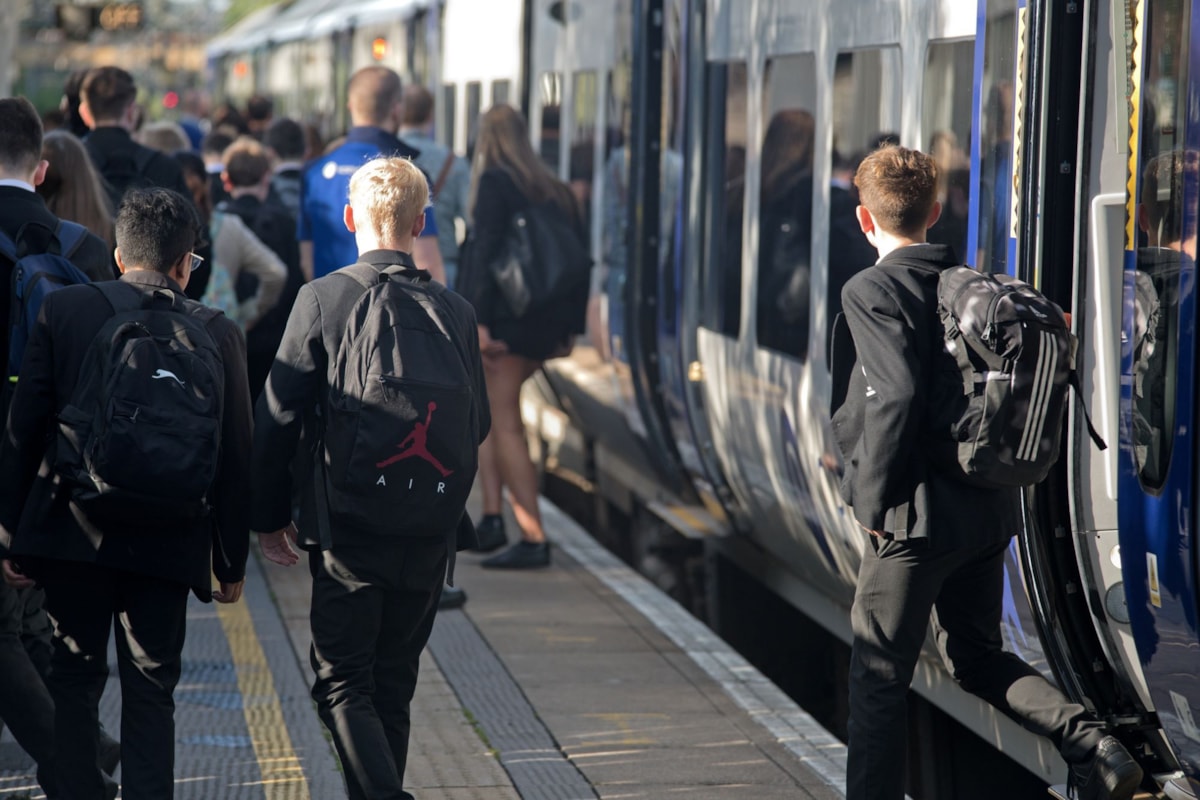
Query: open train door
<point x="1159" y="413"/>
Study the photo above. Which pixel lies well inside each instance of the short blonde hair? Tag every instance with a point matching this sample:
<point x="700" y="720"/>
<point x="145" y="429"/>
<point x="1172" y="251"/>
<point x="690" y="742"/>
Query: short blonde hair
<point x="387" y="195"/>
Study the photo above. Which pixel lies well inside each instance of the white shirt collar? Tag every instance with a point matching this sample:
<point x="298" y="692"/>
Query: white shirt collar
<point x="16" y="183"/>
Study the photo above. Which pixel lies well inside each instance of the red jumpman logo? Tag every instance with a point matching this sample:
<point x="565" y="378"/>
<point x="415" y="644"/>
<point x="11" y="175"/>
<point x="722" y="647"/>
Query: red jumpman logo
<point x="414" y="445"/>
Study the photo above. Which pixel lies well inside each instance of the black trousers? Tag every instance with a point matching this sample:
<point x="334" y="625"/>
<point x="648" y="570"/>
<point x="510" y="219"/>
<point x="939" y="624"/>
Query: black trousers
<point x="25" y="704"/>
<point x="899" y="584"/>
<point x="372" y="612"/>
<point x="84" y="601"/>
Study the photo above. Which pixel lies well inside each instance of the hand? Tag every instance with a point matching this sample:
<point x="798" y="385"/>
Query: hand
<point x="13" y="575"/>
<point x="489" y="346"/>
<point x="278" y="547"/>
<point x="229" y="592"/>
<point x="877" y="534"/>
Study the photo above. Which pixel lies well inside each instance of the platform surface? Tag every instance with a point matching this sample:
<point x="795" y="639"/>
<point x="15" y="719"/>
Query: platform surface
<point x="576" y="681"/>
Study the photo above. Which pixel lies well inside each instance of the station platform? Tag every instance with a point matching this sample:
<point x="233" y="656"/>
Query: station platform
<point x="577" y="681"/>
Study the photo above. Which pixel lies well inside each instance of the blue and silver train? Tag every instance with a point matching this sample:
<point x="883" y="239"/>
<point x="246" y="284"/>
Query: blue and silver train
<point x="712" y="142"/>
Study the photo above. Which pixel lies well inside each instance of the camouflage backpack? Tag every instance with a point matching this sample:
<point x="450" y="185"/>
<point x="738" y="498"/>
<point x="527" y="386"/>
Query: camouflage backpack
<point x="1016" y="356"/>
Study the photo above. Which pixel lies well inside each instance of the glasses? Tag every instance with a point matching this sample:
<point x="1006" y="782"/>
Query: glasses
<point x="196" y="261"/>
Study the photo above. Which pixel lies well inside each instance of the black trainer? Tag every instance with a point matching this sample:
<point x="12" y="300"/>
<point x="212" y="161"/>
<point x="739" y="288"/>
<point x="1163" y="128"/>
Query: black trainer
<point x="522" y="555"/>
<point x="1110" y="774"/>
<point x="452" y="597"/>
<point x="489" y="531"/>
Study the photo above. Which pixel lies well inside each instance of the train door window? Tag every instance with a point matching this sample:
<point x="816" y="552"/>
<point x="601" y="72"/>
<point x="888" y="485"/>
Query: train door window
<point x="581" y="167"/>
<point x="447" y="114"/>
<point x="1169" y="172"/>
<point x="551" y="119"/>
<point x="474" y="108"/>
<point x="946" y="125"/>
<point x="995" y="128"/>
<point x="722" y="303"/>
<point x="866" y="114"/>
<point x="785" y="204"/>
<point x="501" y="93"/>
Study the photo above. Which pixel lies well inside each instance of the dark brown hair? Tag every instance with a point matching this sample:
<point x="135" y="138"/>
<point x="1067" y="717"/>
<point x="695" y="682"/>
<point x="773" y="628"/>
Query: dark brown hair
<point x="899" y="187"/>
<point x="108" y="91"/>
<point x="246" y="162"/>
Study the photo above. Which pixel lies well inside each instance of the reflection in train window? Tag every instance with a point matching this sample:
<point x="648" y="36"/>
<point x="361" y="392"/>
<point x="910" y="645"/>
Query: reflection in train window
<point x="866" y="114"/>
<point x="446" y="114"/>
<point x="501" y="93"/>
<point x="474" y="109"/>
<point x="581" y="168"/>
<point x="946" y="122"/>
<point x="996" y="139"/>
<point x="1166" y="221"/>
<point x="785" y="204"/>
<point x="550" y="87"/>
<point x="670" y="166"/>
<point x="722" y="302"/>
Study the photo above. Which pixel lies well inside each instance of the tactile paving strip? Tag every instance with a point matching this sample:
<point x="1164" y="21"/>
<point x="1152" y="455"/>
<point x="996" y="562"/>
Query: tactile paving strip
<point x="215" y="756"/>
<point x="538" y="767"/>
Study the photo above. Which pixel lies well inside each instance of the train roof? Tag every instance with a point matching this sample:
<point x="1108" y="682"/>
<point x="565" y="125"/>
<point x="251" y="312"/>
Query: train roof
<point x="304" y="19"/>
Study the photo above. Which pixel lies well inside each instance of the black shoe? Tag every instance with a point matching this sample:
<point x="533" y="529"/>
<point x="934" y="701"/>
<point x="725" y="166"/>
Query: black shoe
<point x="452" y="597"/>
<point x="109" y="755"/>
<point x="1110" y="774"/>
<point x="489" y="532"/>
<point x="522" y="555"/>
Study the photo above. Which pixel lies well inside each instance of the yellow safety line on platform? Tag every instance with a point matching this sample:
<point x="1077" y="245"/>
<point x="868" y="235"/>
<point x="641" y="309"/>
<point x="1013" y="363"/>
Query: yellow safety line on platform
<point x="282" y="775"/>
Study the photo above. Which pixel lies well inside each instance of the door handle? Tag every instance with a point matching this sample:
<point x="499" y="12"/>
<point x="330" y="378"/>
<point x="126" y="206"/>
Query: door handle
<point x="1106" y="279"/>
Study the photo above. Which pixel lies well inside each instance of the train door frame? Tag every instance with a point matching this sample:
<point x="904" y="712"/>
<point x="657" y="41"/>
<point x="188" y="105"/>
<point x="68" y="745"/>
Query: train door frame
<point x="1069" y="517"/>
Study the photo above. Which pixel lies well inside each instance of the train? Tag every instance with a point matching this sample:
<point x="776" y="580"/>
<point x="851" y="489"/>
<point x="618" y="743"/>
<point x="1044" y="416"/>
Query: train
<point x="713" y="142"/>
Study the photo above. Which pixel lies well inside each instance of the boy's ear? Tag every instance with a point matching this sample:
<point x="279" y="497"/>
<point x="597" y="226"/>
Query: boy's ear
<point x="1143" y="217"/>
<point x="935" y="213"/>
<point x="865" y="220"/>
<point x="348" y="218"/>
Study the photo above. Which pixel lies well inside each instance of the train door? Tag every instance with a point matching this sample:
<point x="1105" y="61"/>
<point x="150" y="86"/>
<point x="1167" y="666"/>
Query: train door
<point x="1157" y="476"/>
<point x="1106" y="129"/>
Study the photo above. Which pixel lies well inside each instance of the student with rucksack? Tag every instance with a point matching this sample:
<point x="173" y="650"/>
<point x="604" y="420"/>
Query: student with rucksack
<point x="107" y="107"/>
<point x="936" y="540"/>
<point x="124" y="471"/>
<point x="378" y="386"/>
<point x="33" y="241"/>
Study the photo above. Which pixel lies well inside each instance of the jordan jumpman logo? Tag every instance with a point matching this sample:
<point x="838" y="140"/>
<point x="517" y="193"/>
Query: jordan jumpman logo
<point x="414" y="445"/>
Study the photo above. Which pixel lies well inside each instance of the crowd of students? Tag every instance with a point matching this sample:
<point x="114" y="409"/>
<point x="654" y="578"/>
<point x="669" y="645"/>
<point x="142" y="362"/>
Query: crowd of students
<point x="223" y="297"/>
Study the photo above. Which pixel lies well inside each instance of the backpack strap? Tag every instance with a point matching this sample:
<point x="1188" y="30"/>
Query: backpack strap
<point x="1073" y="380"/>
<point x="443" y="175"/>
<point x="71" y="236"/>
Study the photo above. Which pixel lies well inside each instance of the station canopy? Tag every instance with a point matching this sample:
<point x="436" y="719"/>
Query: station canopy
<point x="306" y="19"/>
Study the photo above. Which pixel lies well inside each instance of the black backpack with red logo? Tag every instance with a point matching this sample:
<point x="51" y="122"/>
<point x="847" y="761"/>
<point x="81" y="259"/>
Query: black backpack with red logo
<point x="400" y="425"/>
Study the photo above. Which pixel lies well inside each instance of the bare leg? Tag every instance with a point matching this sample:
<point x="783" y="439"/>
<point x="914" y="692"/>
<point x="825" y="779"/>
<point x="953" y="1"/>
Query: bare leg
<point x="489" y="472"/>
<point x="509" y="449"/>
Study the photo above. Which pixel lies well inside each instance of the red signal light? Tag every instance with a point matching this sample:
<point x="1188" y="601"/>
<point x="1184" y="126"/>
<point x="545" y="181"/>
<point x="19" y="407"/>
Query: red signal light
<point x="170" y="100"/>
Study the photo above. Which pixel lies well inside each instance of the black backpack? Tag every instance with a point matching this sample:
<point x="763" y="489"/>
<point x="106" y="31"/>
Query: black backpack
<point x="126" y="170"/>
<point x="1016" y="359"/>
<point x="139" y="441"/>
<point x="400" y="425"/>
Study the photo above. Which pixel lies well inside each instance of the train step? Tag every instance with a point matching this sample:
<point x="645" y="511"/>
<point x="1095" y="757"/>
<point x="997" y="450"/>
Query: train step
<point x="1059" y="792"/>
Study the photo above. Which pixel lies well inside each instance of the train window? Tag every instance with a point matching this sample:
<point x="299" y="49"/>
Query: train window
<point x="785" y="204"/>
<point x="722" y="302"/>
<point x="501" y="93"/>
<point x="582" y="164"/>
<point x="1169" y="171"/>
<point x="946" y="122"/>
<point x="551" y="122"/>
<point x="447" y="112"/>
<point x="866" y="114"/>
<point x="474" y="109"/>
<point x="996" y="139"/>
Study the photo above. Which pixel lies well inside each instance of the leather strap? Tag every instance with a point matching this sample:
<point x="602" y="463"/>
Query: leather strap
<point x="443" y="175"/>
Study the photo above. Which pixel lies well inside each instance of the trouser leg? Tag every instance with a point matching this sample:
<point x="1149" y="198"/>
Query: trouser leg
<point x="408" y="616"/>
<point x="967" y="626"/>
<point x="151" y="624"/>
<point x="897" y="584"/>
<point x="81" y="601"/>
<point x="346" y="615"/>
<point x="25" y="704"/>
